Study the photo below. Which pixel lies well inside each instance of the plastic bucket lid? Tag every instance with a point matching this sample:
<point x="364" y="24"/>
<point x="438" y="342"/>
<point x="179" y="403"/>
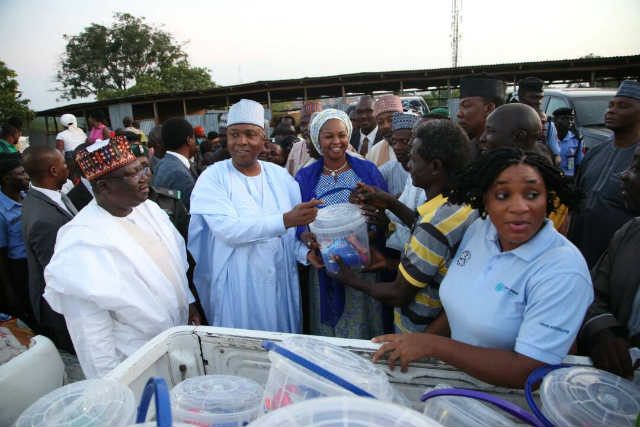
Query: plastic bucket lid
<point x="341" y="362"/>
<point x="344" y="411"/>
<point x="588" y="396"/>
<point x="89" y="403"/>
<point x="214" y="396"/>
<point x="337" y="218"/>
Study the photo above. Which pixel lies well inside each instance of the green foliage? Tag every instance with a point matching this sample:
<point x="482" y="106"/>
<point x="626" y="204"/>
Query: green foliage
<point x="174" y="78"/>
<point x="111" y="61"/>
<point x="11" y="101"/>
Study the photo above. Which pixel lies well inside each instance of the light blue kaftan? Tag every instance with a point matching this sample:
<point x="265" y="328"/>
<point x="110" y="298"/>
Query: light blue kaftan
<point x="246" y="273"/>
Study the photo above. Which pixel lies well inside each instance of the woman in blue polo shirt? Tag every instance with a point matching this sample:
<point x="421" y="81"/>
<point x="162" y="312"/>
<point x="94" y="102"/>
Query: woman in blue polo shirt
<point x="516" y="292"/>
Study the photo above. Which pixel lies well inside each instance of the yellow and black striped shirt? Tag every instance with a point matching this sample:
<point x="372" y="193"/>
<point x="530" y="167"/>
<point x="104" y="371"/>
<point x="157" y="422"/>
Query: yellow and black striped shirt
<point x="426" y="257"/>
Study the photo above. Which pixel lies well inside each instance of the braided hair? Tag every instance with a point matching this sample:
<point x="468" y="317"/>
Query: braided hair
<point x="470" y="186"/>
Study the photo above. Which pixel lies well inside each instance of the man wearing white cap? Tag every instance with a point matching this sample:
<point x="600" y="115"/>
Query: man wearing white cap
<point x="242" y="233"/>
<point x="69" y="139"/>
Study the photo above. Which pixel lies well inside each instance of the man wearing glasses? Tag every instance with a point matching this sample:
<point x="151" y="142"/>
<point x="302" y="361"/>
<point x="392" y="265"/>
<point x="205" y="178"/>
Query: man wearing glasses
<point x="118" y="272"/>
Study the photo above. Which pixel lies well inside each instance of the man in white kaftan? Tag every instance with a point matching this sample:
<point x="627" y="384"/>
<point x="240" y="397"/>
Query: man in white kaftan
<point x="242" y="233"/>
<point x="118" y="272"/>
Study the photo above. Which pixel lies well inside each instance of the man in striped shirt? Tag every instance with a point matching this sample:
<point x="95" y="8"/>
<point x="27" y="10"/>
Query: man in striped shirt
<point x="439" y="150"/>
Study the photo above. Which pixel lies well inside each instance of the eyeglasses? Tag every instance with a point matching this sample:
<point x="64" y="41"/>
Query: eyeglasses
<point x="135" y="175"/>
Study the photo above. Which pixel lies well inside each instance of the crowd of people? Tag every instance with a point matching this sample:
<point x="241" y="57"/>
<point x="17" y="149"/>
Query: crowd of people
<point x="497" y="243"/>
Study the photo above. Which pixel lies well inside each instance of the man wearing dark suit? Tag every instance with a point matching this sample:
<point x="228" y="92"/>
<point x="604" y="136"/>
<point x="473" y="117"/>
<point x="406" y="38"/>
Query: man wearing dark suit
<point x="174" y="171"/>
<point x="44" y="210"/>
<point x="367" y="135"/>
<point x="81" y="194"/>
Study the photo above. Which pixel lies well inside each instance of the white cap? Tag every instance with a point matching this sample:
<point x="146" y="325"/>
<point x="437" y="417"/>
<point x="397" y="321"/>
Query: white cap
<point x="68" y="119"/>
<point x="246" y="112"/>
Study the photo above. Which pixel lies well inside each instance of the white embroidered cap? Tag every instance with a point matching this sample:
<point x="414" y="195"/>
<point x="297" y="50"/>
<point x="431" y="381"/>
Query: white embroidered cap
<point x="246" y="112"/>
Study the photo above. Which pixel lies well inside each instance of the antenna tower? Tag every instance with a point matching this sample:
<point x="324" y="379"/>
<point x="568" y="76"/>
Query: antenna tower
<point x="456" y="8"/>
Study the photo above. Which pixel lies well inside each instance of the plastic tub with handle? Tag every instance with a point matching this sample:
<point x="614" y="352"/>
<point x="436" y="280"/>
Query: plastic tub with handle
<point x="344" y="411"/>
<point x="217" y="400"/>
<point x="341" y="230"/>
<point x="88" y="403"/>
<point x="304" y="368"/>
<point x="583" y="396"/>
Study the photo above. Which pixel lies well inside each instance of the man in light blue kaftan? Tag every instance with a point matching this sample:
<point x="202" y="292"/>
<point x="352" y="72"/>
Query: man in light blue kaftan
<point x="242" y="233"/>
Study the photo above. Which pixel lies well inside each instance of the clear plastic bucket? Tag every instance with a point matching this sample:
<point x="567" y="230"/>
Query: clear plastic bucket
<point x="89" y="403"/>
<point x="216" y="400"/>
<point x="341" y="230"/>
<point x="582" y="396"/>
<point x="454" y="411"/>
<point x="344" y="411"/>
<point x="290" y="382"/>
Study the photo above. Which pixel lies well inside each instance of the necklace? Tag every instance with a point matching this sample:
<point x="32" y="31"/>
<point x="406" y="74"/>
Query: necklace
<point x="334" y="172"/>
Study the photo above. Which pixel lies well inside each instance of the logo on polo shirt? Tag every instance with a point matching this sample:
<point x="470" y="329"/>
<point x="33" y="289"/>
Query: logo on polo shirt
<point x="464" y="257"/>
<point x="501" y="287"/>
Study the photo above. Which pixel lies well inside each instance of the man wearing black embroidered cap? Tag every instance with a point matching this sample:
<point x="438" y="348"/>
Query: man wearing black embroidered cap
<point x="480" y="94"/>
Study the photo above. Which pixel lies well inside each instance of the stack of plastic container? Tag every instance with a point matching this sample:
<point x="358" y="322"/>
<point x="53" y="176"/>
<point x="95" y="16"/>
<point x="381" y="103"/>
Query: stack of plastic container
<point x="341" y="230"/>
<point x="314" y="370"/>
<point x="581" y="396"/>
<point x="213" y="400"/>
<point x="344" y="412"/>
<point x="89" y="403"/>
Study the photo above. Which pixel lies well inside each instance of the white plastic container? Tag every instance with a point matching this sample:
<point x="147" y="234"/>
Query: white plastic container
<point x="580" y="396"/>
<point x="344" y="411"/>
<point x="89" y="403"/>
<point x="455" y="411"/>
<point x="29" y="376"/>
<point x="212" y="400"/>
<point x="290" y="382"/>
<point x="341" y="230"/>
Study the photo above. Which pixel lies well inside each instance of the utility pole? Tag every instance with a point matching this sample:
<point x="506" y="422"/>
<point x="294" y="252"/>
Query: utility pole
<point x="456" y="8"/>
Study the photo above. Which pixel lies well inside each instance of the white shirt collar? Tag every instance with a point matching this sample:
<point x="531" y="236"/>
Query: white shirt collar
<point x="371" y="135"/>
<point x="180" y="157"/>
<point x="54" y="195"/>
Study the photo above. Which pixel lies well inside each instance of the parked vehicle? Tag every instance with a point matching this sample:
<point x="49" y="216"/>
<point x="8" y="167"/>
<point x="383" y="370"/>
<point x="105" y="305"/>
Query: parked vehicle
<point x="589" y="104"/>
<point x="415" y="104"/>
<point x="188" y="351"/>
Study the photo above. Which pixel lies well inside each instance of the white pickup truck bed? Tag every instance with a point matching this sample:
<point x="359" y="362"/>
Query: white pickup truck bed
<point x="189" y="351"/>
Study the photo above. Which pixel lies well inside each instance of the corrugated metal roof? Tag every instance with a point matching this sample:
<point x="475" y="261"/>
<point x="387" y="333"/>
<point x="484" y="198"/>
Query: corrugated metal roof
<point x="331" y="86"/>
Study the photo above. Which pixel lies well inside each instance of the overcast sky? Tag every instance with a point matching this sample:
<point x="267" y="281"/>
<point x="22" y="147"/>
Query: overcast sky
<point x="245" y="41"/>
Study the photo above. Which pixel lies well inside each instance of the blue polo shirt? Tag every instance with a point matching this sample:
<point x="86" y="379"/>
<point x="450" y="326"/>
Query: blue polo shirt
<point x="530" y="300"/>
<point x="570" y="153"/>
<point x="11" y="227"/>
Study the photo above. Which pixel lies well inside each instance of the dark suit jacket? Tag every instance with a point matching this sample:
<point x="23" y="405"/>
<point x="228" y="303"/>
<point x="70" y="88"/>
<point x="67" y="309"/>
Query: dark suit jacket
<point x="355" y="139"/>
<point x="170" y="173"/>
<point x="80" y="196"/>
<point x="41" y="220"/>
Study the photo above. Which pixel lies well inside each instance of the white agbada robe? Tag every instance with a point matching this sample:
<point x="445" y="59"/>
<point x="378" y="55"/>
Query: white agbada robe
<point x="114" y="296"/>
<point x="246" y="273"/>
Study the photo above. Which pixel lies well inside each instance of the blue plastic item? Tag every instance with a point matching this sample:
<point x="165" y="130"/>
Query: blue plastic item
<point x="306" y="363"/>
<point x="347" y="253"/>
<point x="158" y="387"/>
<point x="535" y="377"/>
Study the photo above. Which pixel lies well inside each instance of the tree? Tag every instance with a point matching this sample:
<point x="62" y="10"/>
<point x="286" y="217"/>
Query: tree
<point x="174" y="78"/>
<point x="108" y="61"/>
<point x="11" y="102"/>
